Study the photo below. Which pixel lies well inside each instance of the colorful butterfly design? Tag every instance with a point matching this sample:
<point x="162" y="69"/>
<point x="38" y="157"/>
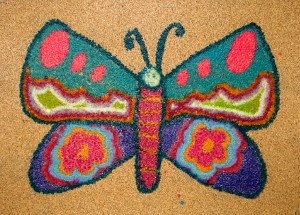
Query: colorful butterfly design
<point x="196" y="116"/>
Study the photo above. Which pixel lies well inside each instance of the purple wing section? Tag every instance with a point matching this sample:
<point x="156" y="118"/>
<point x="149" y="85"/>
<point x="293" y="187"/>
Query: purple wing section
<point x="249" y="181"/>
<point x="215" y="153"/>
<point x="72" y="155"/>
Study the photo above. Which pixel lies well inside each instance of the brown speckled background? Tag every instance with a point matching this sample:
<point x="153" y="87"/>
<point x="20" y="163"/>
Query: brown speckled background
<point x="107" y="22"/>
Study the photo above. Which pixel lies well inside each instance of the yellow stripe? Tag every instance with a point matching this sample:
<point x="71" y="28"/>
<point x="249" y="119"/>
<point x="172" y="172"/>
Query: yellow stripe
<point x="148" y="169"/>
<point x="152" y="123"/>
<point x="152" y="99"/>
<point x="148" y="121"/>
<point x="146" y="135"/>
<point x="149" y="151"/>
<point x="150" y="111"/>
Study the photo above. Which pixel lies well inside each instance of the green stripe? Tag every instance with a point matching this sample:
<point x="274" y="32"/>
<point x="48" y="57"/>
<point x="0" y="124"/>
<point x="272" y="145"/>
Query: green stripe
<point x="250" y="106"/>
<point x="49" y="100"/>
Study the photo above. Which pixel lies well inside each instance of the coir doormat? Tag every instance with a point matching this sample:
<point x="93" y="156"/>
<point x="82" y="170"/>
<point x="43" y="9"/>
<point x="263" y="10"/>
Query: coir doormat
<point x="103" y="114"/>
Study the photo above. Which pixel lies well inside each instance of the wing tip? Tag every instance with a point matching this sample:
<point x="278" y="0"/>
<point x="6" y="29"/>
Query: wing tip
<point x="53" y="22"/>
<point x="254" y="181"/>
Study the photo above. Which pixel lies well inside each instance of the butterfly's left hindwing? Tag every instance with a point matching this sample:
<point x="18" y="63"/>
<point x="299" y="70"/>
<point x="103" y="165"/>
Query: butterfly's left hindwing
<point x="73" y="154"/>
<point x="68" y="77"/>
<point x="234" y="79"/>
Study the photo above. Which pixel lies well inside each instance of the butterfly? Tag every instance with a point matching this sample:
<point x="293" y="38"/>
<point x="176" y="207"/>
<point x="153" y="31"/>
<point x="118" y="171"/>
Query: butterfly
<point x="103" y="114"/>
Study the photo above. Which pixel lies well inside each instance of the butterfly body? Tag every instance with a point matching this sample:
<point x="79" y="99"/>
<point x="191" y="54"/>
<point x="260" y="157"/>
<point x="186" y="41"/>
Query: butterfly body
<point x="149" y="118"/>
<point x="149" y="122"/>
<point x="196" y="116"/>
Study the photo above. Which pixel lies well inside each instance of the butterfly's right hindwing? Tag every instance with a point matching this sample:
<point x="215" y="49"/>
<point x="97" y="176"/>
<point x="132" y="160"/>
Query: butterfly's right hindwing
<point x="68" y="77"/>
<point x="216" y="153"/>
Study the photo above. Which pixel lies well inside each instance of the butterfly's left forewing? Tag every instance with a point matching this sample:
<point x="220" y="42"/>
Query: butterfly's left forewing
<point x="68" y="77"/>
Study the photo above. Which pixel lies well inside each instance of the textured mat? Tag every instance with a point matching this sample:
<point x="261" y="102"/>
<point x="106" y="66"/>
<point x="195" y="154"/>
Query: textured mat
<point x="174" y="103"/>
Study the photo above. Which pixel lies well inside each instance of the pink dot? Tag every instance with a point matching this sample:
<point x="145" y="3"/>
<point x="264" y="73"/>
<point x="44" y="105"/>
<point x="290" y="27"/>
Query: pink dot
<point x="183" y="78"/>
<point x="204" y="68"/>
<point x="79" y="62"/>
<point x="242" y="52"/>
<point x="55" y="49"/>
<point x="98" y="73"/>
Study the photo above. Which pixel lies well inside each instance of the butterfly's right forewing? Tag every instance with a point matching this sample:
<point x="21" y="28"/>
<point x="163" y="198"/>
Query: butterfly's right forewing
<point x="234" y="79"/>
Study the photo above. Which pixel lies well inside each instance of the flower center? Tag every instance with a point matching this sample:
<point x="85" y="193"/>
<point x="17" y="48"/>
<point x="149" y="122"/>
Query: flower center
<point x="208" y="145"/>
<point x="83" y="153"/>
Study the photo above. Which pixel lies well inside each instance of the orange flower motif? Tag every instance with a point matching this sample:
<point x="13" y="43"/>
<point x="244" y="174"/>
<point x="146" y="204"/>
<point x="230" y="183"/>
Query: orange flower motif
<point x="208" y="146"/>
<point x="82" y="150"/>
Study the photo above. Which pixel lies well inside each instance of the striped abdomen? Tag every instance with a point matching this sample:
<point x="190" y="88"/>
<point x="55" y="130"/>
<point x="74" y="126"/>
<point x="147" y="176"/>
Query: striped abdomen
<point x="149" y="119"/>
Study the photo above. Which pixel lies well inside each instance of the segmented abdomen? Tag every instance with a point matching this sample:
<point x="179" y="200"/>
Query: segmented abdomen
<point x="149" y="120"/>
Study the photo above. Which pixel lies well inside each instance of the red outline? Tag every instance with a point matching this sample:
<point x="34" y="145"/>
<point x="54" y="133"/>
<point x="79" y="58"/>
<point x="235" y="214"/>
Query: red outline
<point x="119" y="153"/>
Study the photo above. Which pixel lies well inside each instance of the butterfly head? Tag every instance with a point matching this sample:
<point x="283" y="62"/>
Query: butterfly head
<point x="150" y="77"/>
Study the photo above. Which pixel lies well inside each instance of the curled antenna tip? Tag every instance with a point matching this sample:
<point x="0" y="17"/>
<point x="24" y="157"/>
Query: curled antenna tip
<point x="135" y="36"/>
<point x="180" y="30"/>
<point x="129" y="43"/>
<point x="129" y="40"/>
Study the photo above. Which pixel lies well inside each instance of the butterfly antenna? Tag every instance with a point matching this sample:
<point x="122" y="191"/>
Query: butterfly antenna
<point x="162" y="42"/>
<point x="135" y="35"/>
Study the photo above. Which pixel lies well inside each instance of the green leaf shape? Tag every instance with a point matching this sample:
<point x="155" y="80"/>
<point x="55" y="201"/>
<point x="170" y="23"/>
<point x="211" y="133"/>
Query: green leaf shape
<point x="49" y="100"/>
<point x="119" y="105"/>
<point x="251" y="106"/>
<point x="81" y="105"/>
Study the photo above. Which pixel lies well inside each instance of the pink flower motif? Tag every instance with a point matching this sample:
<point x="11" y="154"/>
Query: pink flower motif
<point x="208" y="147"/>
<point x="82" y="150"/>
